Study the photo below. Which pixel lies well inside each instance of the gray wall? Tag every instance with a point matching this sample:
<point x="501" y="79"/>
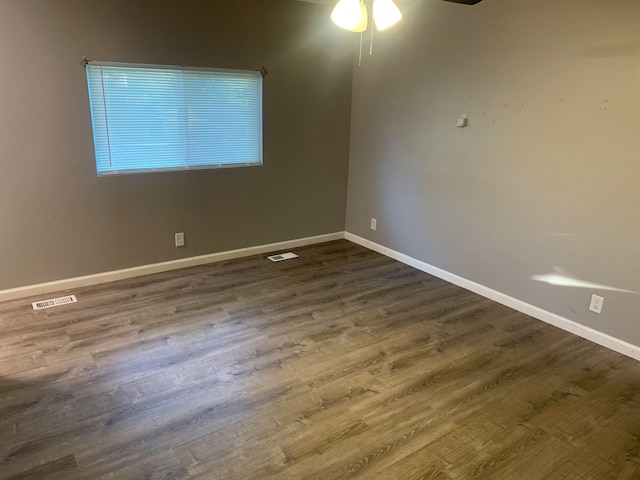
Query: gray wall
<point x="58" y="220"/>
<point x="546" y="177"/>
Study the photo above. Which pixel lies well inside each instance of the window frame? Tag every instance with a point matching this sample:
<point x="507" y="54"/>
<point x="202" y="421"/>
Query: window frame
<point x="156" y="169"/>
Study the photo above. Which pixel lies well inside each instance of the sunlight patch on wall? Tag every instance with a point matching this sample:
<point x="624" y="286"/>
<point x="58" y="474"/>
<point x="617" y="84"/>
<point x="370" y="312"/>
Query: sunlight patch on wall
<point x="562" y="279"/>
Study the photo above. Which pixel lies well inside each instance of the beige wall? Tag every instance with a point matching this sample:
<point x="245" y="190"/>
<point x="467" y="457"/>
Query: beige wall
<point x="58" y="220"/>
<point x="546" y="177"/>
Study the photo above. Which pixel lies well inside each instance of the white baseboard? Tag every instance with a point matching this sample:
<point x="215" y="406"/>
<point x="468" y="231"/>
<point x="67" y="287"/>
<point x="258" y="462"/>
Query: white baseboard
<point x="87" y="280"/>
<point x="588" y="333"/>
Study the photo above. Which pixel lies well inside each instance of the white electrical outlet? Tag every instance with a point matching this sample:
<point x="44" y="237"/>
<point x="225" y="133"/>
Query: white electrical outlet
<point x="374" y="224"/>
<point x="180" y="239"/>
<point x="596" y="303"/>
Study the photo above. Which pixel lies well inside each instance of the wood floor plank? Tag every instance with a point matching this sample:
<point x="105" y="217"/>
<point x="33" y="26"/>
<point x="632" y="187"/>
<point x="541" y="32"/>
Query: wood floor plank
<point x="60" y="468"/>
<point x="340" y="364"/>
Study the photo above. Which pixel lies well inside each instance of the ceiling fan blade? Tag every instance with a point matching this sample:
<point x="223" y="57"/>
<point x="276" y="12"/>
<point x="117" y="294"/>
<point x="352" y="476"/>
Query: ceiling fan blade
<point x="466" y="2"/>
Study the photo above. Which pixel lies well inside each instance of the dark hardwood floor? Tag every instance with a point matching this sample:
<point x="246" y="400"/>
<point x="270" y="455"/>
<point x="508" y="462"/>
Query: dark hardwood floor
<point x="340" y="364"/>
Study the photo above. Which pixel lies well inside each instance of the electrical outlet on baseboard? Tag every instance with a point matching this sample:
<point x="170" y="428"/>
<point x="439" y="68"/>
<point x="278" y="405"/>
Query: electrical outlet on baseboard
<point x="596" y="304"/>
<point x="180" y="239"/>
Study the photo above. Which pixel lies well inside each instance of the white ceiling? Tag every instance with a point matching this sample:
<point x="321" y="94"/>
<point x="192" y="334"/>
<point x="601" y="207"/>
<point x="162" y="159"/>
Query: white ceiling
<point x="323" y="2"/>
<point x="333" y="2"/>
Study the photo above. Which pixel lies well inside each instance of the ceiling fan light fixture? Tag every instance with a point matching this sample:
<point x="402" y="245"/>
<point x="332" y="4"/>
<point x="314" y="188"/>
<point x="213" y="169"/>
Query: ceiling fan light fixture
<point x="385" y="14"/>
<point x="351" y="15"/>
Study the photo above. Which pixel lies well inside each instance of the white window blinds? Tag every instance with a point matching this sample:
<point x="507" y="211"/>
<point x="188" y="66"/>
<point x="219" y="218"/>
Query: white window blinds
<point x="156" y="118"/>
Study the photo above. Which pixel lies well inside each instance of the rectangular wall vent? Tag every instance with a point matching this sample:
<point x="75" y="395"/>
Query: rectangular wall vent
<point x="282" y="256"/>
<point x="54" y="302"/>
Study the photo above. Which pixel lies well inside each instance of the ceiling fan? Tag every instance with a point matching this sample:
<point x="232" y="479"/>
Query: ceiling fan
<point x="353" y="15"/>
<point x="466" y="2"/>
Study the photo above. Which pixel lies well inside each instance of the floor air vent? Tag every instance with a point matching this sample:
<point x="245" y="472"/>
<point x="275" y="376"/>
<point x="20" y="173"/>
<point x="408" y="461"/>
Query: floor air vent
<point x="282" y="256"/>
<point x="54" y="302"/>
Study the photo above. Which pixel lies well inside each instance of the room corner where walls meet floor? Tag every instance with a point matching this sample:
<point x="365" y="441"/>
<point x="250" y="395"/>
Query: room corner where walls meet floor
<point x="580" y="330"/>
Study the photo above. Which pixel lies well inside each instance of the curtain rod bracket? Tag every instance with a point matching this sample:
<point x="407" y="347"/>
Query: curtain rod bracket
<point x="264" y="72"/>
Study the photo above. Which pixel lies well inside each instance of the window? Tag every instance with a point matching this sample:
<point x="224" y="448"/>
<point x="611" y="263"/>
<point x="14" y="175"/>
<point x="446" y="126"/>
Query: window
<point x="158" y="118"/>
